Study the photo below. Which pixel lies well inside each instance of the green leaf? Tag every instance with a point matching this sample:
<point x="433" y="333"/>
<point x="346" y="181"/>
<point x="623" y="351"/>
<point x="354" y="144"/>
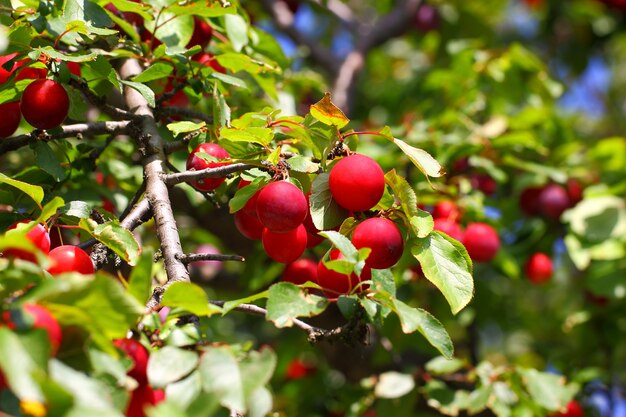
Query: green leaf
<point x="114" y="236"/>
<point x="19" y="369"/>
<point x="325" y="212"/>
<point x="184" y="127"/>
<point x="342" y="243"/>
<point x="261" y="135"/>
<point x="258" y="368"/>
<point x="598" y="219"/>
<point x="443" y="366"/>
<point x="204" y="9"/>
<point x="142" y="89"/>
<point x="422" y="159"/>
<point x="286" y="301"/>
<point x="326" y="112"/>
<point x="393" y="385"/>
<point x="78" y="209"/>
<point x="548" y="390"/>
<point x="244" y="194"/>
<point x="237" y="31"/>
<point x="222" y="377"/>
<point x="446" y="264"/>
<point x="50" y="209"/>
<point x="229" y="79"/>
<point x="170" y="364"/>
<point x="239" y="62"/>
<point x="403" y="192"/>
<point x="140" y="280"/>
<point x="156" y="71"/>
<point x="33" y="191"/>
<point x="190" y="297"/>
<point x="47" y="160"/>
<point x="303" y="164"/>
<point x="422" y="224"/>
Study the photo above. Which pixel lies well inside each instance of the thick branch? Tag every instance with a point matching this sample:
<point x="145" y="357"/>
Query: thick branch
<point x="68" y="131"/>
<point x="156" y="189"/>
<point x="283" y="18"/>
<point x="195" y="257"/>
<point x="219" y="172"/>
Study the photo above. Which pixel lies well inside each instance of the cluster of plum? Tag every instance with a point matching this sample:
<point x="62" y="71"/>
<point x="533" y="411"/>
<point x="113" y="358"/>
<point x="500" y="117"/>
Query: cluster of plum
<point x="44" y="103"/>
<point x="278" y="214"/>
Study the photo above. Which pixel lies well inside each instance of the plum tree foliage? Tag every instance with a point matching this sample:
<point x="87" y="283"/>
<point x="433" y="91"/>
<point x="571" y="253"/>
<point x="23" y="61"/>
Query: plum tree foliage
<point x="180" y="187"/>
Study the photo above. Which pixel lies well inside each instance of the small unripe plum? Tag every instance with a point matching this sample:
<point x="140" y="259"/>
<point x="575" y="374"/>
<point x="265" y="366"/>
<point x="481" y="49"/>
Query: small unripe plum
<point x="39" y="236"/>
<point x="248" y="226"/>
<point x="481" y="241"/>
<point x="202" y="33"/>
<point x="197" y="163"/>
<point x="335" y="283"/>
<point x="139" y="356"/>
<point x="38" y="318"/>
<point x="427" y="18"/>
<point x="446" y="209"/>
<point x="45" y="104"/>
<point x="529" y="201"/>
<point x="449" y="227"/>
<point x="383" y="238"/>
<point x="357" y="182"/>
<point x="553" y="201"/>
<point x="281" y="206"/>
<point x="11" y="116"/>
<point x="301" y="271"/>
<point x="69" y="258"/>
<point x="285" y="247"/>
<point x="209" y="60"/>
<point x="538" y="268"/>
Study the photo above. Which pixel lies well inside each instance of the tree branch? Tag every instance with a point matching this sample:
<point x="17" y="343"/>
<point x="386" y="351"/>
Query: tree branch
<point x="219" y="172"/>
<point x="195" y="257"/>
<point x="100" y="103"/>
<point x="283" y="18"/>
<point x="94" y="128"/>
<point x="354" y="330"/>
<point x="156" y="190"/>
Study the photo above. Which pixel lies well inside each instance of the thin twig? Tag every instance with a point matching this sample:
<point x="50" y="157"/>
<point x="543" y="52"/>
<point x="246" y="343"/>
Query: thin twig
<point x="100" y="102"/>
<point x="219" y="172"/>
<point x="195" y="257"/>
<point x="94" y="128"/>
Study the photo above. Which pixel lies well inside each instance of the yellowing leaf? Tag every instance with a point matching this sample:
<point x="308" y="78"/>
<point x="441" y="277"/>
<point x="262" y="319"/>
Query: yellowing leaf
<point x="326" y="112"/>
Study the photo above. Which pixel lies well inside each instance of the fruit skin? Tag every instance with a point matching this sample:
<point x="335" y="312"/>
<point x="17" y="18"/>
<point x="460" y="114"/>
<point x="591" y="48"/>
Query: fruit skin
<point x="574" y="409"/>
<point x="209" y="60"/>
<point x="4" y="74"/>
<point x="357" y="182"/>
<point x="11" y="116"/>
<point x="383" y="237"/>
<point x="335" y="283"/>
<point x="427" y="18"/>
<point x="481" y="241"/>
<point x="197" y="163"/>
<point x="45" y="104"/>
<point x="285" y="247"/>
<point x="298" y="369"/>
<point x="139" y="355"/>
<point x="553" y="201"/>
<point x="450" y="228"/>
<point x="142" y="396"/>
<point x="446" y="209"/>
<point x="202" y="33"/>
<point x="41" y="319"/>
<point x="538" y="268"/>
<point x="248" y="226"/>
<point x="529" y="201"/>
<point x="574" y="192"/>
<point x="38" y="235"/>
<point x="300" y="271"/>
<point x="281" y="206"/>
<point x="69" y="258"/>
<point x="484" y="183"/>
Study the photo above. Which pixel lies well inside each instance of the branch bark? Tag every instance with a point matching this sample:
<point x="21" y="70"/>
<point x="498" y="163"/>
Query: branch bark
<point x="195" y="257"/>
<point x="156" y="189"/>
<point x="219" y="172"/>
<point x="95" y="128"/>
